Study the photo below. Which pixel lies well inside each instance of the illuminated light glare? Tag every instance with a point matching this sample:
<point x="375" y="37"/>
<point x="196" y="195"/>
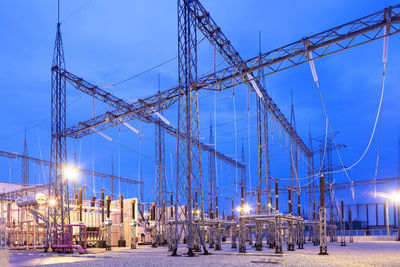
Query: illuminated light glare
<point x="52" y="202"/>
<point x="246" y="208"/>
<point x="70" y="172"/>
<point x="395" y="197"/>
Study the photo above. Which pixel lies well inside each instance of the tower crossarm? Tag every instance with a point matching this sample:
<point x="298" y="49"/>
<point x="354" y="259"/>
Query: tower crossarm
<point x="237" y="65"/>
<point x="143" y="109"/>
<point x="337" y="39"/>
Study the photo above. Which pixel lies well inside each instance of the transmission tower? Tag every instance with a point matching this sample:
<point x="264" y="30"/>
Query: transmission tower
<point x="25" y="164"/>
<point x="189" y="171"/>
<point x="58" y="188"/>
<point x="327" y="167"/>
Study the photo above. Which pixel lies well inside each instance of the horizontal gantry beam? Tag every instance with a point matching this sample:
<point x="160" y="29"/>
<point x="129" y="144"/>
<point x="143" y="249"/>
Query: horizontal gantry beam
<point x="343" y="37"/>
<point x="143" y="109"/>
<point x="83" y="171"/>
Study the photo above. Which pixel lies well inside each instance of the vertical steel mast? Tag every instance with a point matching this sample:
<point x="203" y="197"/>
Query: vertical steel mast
<point x="211" y="175"/>
<point x="160" y="196"/>
<point x="189" y="171"/>
<point x="58" y="187"/>
<point x="243" y="174"/>
<point x="25" y="164"/>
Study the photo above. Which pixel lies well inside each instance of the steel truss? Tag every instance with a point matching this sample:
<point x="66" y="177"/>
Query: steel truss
<point x="58" y="187"/>
<point x="143" y="109"/>
<point x="188" y="155"/>
<point x="340" y="38"/>
<point x="212" y="183"/>
<point x="160" y="190"/>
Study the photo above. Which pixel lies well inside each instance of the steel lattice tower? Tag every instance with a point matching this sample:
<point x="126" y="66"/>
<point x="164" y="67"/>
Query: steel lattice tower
<point x="160" y="190"/>
<point x="327" y="169"/>
<point x="293" y="151"/>
<point x="311" y="181"/>
<point x="243" y="174"/>
<point x="263" y="170"/>
<point x="189" y="171"/>
<point x="25" y="164"/>
<point x="58" y="188"/>
<point x="211" y="175"/>
<point x="112" y="179"/>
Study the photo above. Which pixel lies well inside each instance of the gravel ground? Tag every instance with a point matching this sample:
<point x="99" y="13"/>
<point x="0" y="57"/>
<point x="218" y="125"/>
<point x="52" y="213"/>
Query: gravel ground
<point x="384" y="253"/>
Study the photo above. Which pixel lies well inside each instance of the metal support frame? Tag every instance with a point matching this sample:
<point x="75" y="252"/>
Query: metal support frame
<point x="323" y="244"/>
<point x="58" y="187"/>
<point x="259" y="237"/>
<point x="160" y="190"/>
<point x="188" y="155"/>
<point x="242" y="235"/>
<point x="212" y="184"/>
<point x="278" y="235"/>
<point x="234" y="234"/>
<point x="25" y="164"/>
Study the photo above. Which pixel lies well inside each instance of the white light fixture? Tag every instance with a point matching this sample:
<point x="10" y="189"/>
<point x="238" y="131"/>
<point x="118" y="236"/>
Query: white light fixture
<point x="52" y="202"/>
<point x="130" y="127"/>
<point x="161" y="116"/>
<point x="255" y="86"/>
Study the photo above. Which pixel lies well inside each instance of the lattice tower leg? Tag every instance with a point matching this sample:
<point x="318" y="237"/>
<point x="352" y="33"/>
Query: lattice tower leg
<point x="323" y="244"/>
<point x="196" y="244"/>
<point x="108" y="237"/>
<point x="271" y="235"/>
<point x="342" y="233"/>
<point x="250" y="234"/>
<point x="278" y="235"/>
<point x="242" y="236"/>
<point x="300" y="235"/>
<point x="234" y="236"/>
<point x="258" y="244"/>
<point x="211" y="243"/>
<point x="291" y="235"/>
<point x="217" y="237"/>
<point x="315" y="229"/>
<point x="133" y="235"/>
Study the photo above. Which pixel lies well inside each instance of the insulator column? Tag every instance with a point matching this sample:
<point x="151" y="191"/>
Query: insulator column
<point x="342" y="225"/>
<point x="102" y="205"/>
<point x="290" y="241"/>
<point x="80" y="205"/>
